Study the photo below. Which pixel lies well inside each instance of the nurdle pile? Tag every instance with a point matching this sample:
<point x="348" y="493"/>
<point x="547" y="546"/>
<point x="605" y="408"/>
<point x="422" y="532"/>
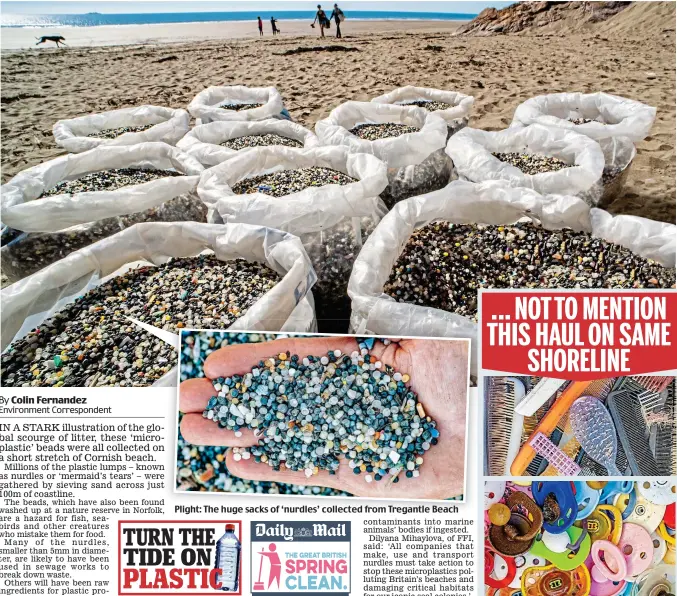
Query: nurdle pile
<point x="262" y="140"/>
<point x="373" y="132"/>
<point x="90" y="342"/>
<point x="107" y="180"/>
<point x="531" y="163"/>
<point x="112" y="133"/>
<point x="238" y="107"/>
<point x="312" y="412"/>
<point x="444" y="264"/>
<point x="33" y="251"/>
<point x="196" y="346"/>
<point x="610" y="173"/>
<point x="431" y="106"/>
<point x="284" y="182"/>
<point x="203" y="468"/>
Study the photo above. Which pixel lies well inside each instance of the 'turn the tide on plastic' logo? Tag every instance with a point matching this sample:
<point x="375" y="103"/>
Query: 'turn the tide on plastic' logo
<point x="312" y="558"/>
<point x="159" y="558"/>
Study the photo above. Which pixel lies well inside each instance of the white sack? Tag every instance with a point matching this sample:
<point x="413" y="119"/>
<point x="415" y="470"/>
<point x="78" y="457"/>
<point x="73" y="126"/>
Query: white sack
<point x="169" y="126"/>
<point x="472" y="150"/>
<point x="205" y="104"/>
<point x="48" y="290"/>
<point x="618" y="151"/>
<point x="204" y="141"/>
<point x="614" y="116"/>
<point x="302" y="319"/>
<point x="21" y="210"/>
<point x="331" y="220"/>
<point x="456" y="116"/>
<point x="492" y="203"/>
<point x="332" y="237"/>
<point x="216" y="183"/>
<point x="332" y="230"/>
<point x="654" y="240"/>
<point x="299" y="215"/>
<point x="618" y="155"/>
<point x="416" y="161"/>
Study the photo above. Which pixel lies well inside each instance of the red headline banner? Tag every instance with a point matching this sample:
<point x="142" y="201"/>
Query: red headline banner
<point x="579" y="335"/>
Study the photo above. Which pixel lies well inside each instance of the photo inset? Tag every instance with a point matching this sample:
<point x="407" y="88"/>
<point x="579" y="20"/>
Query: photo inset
<point x="621" y="426"/>
<point x="322" y="415"/>
<point x="564" y="538"/>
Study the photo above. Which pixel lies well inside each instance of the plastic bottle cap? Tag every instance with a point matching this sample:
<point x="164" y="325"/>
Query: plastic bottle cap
<point x="230" y="527"/>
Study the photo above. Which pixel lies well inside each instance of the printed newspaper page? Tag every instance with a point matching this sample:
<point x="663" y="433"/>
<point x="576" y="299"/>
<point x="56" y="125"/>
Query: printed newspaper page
<point x="344" y="300"/>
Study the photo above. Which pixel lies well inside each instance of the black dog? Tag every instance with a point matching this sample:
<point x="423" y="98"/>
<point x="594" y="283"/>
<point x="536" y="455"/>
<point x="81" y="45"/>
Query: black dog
<point x="57" y="39"/>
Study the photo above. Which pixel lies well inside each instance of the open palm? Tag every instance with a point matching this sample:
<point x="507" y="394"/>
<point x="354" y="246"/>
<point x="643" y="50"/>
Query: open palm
<point x="439" y="375"/>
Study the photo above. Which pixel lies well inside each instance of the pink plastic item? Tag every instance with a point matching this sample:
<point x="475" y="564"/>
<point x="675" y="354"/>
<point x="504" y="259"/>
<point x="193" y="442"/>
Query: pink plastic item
<point x="613" y="567"/>
<point x="555" y="456"/>
<point x="604" y="587"/>
<point x="637" y="548"/>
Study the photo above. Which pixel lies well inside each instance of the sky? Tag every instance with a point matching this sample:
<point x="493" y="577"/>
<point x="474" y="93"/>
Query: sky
<point x="84" y="6"/>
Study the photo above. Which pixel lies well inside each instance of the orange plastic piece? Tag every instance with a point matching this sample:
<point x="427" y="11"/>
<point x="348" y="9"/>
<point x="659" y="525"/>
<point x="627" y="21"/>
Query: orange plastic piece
<point x="547" y="424"/>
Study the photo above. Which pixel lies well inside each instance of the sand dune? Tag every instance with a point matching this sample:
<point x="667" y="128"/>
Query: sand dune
<point x="40" y="87"/>
<point x="642" y="19"/>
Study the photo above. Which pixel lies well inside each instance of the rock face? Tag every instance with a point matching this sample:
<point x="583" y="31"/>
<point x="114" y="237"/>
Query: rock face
<point x="533" y="15"/>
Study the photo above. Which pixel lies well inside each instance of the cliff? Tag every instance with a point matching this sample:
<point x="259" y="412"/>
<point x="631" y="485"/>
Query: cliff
<point x="530" y="16"/>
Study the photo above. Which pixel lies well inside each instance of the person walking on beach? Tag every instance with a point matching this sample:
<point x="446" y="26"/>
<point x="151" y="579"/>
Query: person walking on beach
<point x="338" y="16"/>
<point x="273" y="24"/>
<point x="321" y="18"/>
<point x="260" y="26"/>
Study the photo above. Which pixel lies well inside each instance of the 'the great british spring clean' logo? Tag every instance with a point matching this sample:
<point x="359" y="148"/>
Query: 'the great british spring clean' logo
<point x="312" y="558"/>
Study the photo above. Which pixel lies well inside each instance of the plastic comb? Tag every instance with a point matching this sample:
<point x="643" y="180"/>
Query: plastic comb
<point x="664" y="437"/>
<point x="548" y="424"/>
<point x="555" y="456"/>
<point x="633" y="433"/>
<point x="595" y="431"/>
<point x="502" y="393"/>
<point x="589" y="467"/>
<point x="651" y="402"/>
<point x="538" y="465"/>
<point x="651" y="383"/>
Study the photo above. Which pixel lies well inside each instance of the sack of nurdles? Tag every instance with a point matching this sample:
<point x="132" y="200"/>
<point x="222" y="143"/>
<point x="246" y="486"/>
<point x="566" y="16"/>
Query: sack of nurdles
<point x="416" y="159"/>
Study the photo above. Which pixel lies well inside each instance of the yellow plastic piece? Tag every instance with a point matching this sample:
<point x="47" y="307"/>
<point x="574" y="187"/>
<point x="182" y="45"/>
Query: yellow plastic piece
<point x="548" y="581"/>
<point x="663" y="533"/>
<point x="669" y="558"/>
<point x="616" y="519"/>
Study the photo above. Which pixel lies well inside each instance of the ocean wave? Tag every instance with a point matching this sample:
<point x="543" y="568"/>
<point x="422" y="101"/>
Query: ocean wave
<point x="8" y="21"/>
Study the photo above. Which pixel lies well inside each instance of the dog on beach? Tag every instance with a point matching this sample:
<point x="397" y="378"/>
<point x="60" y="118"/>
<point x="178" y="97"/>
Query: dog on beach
<point x="57" y="39"/>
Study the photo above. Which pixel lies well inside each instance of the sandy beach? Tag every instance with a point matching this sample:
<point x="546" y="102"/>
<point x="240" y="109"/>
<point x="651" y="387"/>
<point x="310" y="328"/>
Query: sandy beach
<point x="41" y="86"/>
<point x="24" y="37"/>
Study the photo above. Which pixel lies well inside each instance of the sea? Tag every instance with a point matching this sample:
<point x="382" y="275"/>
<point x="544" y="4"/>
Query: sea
<point x="97" y="19"/>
